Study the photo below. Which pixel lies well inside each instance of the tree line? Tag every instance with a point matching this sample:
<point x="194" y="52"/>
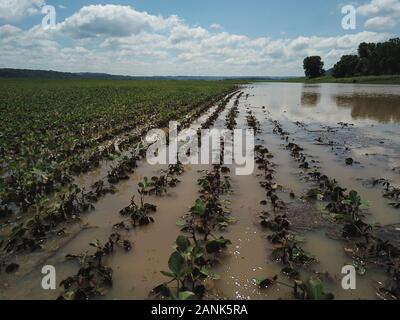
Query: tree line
<point x="372" y="59"/>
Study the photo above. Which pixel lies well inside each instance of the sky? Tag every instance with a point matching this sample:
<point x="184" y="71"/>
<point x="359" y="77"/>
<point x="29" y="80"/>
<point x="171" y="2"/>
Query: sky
<point x="188" y="37"/>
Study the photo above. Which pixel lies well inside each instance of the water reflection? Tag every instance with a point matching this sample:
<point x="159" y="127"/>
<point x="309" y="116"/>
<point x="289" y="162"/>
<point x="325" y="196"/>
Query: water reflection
<point x="382" y="108"/>
<point x="329" y="104"/>
<point x="310" y="99"/>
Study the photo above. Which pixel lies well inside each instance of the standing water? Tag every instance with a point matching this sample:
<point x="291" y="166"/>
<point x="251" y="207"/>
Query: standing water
<point x="333" y="123"/>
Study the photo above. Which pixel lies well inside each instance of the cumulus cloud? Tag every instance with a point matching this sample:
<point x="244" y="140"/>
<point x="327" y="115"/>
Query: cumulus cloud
<point x="382" y="14"/>
<point x="17" y="9"/>
<point x="379" y="7"/>
<point x="122" y="40"/>
<point x="112" y="20"/>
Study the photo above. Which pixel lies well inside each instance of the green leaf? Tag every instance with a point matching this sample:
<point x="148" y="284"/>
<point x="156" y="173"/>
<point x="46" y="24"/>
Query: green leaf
<point x="69" y="295"/>
<point x="181" y="222"/>
<point x="215" y="246"/>
<point x="209" y="273"/>
<point x="186" y="295"/>
<point x="314" y="290"/>
<point x="199" y="208"/>
<point x="364" y="205"/>
<point x="263" y="282"/>
<point x="197" y="252"/>
<point x="354" y="198"/>
<point x="183" y="243"/>
<point x="162" y="290"/>
<point x="176" y="264"/>
<point x="313" y="193"/>
<point x="167" y="274"/>
<point x="95" y="244"/>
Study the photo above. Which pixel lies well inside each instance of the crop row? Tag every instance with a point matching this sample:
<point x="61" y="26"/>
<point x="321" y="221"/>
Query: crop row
<point x="287" y="244"/>
<point x="53" y="131"/>
<point x="30" y="234"/>
<point x="198" y="248"/>
<point x="364" y="246"/>
<point x="94" y="277"/>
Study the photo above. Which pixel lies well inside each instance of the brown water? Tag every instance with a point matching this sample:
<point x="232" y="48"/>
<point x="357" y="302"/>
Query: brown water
<point x="373" y="141"/>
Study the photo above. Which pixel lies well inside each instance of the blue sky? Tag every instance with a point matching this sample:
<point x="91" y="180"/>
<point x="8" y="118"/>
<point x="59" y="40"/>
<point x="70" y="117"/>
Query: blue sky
<point x="190" y="37"/>
<point x="254" y="18"/>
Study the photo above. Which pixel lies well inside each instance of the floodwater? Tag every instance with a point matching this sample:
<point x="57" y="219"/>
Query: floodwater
<point x="331" y="122"/>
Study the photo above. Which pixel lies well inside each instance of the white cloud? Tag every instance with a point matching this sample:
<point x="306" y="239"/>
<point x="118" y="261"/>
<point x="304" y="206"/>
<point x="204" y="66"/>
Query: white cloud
<point x="380" y="23"/>
<point x="216" y="26"/>
<point x="7" y="31"/>
<point x="112" y="20"/>
<point x="182" y="33"/>
<point x="383" y="14"/>
<point x="121" y="40"/>
<point x="17" y="9"/>
<point x="379" y="7"/>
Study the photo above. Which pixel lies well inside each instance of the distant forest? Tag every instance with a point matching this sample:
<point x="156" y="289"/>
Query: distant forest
<point x="373" y="59"/>
<point x="9" y="73"/>
<point x="49" y="74"/>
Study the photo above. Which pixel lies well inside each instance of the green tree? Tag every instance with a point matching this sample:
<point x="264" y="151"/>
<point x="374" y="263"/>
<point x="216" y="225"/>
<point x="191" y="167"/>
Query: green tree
<point x="381" y="58"/>
<point x="313" y="67"/>
<point x="346" y="67"/>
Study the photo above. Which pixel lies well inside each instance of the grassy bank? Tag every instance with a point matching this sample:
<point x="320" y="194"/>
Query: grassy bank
<point x="389" y="79"/>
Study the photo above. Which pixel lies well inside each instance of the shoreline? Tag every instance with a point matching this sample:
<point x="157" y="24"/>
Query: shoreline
<point x="386" y="79"/>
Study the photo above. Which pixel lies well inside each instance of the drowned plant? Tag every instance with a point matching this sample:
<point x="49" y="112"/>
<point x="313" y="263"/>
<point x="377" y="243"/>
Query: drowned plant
<point x="139" y="214"/>
<point x="188" y="271"/>
<point x="233" y="113"/>
<point x="49" y="133"/>
<point x="194" y="255"/>
<point x="287" y="249"/>
<point x="364" y="246"/>
<point x="93" y="277"/>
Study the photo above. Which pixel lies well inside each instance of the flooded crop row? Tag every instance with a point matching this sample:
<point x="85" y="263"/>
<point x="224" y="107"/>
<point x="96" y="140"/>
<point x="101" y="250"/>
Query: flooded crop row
<point x="324" y="195"/>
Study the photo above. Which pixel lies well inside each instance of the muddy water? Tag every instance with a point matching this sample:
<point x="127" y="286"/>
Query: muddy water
<point x="373" y="141"/>
<point x="135" y="273"/>
<point x="372" y="138"/>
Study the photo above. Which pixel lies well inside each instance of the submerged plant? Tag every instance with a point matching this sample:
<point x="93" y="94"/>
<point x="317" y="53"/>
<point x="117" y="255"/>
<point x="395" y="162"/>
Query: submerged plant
<point x="99" y="189"/>
<point x="176" y="169"/>
<point x="93" y="278"/>
<point x="139" y="214"/>
<point x="394" y="195"/>
<point x="122" y="170"/>
<point x="215" y="182"/>
<point x="312" y="289"/>
<point x="233" y="113"/>
<point x="188" y="270"/>
<point x="253" y="123"/>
